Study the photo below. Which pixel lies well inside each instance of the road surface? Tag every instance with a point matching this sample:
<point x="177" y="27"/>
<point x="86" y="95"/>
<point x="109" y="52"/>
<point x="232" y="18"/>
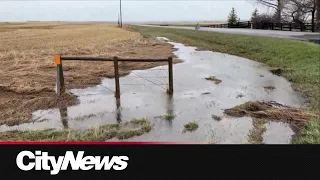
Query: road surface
<point x="309" y="36"/>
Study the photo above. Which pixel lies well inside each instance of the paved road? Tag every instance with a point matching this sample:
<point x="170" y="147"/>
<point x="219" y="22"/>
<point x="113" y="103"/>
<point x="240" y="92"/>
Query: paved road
<point x="314" y="37"/>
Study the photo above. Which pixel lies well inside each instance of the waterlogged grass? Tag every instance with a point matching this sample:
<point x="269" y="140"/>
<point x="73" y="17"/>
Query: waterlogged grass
<point x="192" y="126"/>
<point x="168" y="117"/>
<point x="297" y="61"/>
<point x="140" y="121"/>
<point x="214" y="79"/>
<point x="101" y="133"/>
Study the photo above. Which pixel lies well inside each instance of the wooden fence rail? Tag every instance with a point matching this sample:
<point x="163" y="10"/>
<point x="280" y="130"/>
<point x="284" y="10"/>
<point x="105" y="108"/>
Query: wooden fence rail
<point x="60" y="78"/>
<point x="270" y="26"/>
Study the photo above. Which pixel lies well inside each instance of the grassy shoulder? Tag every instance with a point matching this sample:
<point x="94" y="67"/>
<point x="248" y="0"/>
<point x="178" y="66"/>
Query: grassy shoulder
<point x="135" y="127"/>
<point x="302" y="58"/>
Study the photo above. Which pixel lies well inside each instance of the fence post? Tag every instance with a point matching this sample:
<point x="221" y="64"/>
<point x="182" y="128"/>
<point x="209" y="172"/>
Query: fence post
<point x="170" y="90"/>
<point x="116" y="77"/>
<point x="290" y="27"/>
<point x="281" y="26"/>
<point x="60" y="78"/>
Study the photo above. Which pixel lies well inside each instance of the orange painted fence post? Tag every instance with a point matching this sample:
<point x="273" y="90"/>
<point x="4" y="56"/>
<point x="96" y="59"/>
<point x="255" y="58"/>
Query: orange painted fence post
<point x="60" y="78"/>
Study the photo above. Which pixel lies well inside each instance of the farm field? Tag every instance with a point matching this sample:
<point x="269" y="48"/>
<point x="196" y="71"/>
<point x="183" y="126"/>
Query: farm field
<point x="28" y="73"/>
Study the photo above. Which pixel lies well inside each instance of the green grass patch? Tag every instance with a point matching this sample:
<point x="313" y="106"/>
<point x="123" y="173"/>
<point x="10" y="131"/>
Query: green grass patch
<point x="297" y="61"/>
<point x="101" y="133"/>
<point x="168" y="117"/>
<point x="192" y="126"/>
<point x="309" y="135"/>
<point x="140" y="121"/>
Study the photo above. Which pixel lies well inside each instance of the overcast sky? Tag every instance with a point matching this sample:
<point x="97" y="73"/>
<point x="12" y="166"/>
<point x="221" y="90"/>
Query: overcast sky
<point x="133" y="10"/>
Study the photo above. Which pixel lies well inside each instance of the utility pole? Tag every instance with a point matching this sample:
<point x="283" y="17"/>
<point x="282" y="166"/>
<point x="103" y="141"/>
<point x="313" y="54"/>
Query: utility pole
<point x="120" y="15"/>
<point x="118" y="20"/>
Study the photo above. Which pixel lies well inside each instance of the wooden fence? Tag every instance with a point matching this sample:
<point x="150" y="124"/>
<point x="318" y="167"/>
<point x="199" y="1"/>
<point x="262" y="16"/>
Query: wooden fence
<point x="245" y="24"/>
<point x="270" y="26"/>
<point x="60" y="78"/>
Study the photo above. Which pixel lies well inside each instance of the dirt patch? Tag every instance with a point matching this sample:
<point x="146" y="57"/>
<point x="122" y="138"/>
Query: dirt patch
<point x="28" y="73"/>
<point x="271" y="111"/>
<point x="16" y="106"/>
<point x="214" y="79"/>
<point x="280" y="71"/>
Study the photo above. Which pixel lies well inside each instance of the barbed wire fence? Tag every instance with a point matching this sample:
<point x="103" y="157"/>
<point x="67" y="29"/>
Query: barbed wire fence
<point x="157" y="76"/>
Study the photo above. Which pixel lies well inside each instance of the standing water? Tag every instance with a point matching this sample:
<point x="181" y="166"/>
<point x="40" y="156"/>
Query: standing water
<point x="195" y="99"/>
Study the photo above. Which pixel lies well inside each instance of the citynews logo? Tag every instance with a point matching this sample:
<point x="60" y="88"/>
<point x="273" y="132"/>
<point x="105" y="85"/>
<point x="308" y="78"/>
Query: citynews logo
<point x="42" y="161"/>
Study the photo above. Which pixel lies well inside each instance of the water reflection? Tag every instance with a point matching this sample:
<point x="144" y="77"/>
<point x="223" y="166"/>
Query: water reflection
<point x="118" y="110"/>
<point x="170" y="108"/>
<point x="64" y="117"/>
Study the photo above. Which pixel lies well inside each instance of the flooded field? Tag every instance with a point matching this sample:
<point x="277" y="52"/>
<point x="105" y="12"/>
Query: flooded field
<point x="196" y="98"/>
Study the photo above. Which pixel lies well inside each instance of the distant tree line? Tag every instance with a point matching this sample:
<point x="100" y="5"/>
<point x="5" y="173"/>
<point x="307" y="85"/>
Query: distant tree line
<point x="286" y="11"/>
<point x="290" y="11"/>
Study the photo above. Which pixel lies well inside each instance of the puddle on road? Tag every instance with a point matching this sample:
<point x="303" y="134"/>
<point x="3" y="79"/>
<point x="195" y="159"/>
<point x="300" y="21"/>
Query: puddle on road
<point x="194" y="99"/>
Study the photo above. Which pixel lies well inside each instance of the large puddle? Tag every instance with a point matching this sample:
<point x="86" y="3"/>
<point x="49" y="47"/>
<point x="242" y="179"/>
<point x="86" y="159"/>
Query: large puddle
<point x="194" y="99"/>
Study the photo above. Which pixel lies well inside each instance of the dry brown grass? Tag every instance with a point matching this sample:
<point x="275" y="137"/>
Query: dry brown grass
<point x="214" y="79"/>
<point x="27" y="75"/>
<point x="271" y="111"/>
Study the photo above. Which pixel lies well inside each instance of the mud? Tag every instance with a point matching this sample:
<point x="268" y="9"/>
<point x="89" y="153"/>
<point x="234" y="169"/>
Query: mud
<point x="280" y="71"/>
<point x="216" y="117"/>
<point x="142" y="98"/>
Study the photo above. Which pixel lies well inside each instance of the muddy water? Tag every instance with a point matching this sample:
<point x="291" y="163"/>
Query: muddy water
<point x="194" y="99"/>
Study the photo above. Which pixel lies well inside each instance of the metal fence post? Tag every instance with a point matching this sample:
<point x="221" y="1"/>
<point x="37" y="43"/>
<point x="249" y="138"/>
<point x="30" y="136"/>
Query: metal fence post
<point x="60" y="78"/>
<point x="116" y="77"/>
<point x="170" y="90"/>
